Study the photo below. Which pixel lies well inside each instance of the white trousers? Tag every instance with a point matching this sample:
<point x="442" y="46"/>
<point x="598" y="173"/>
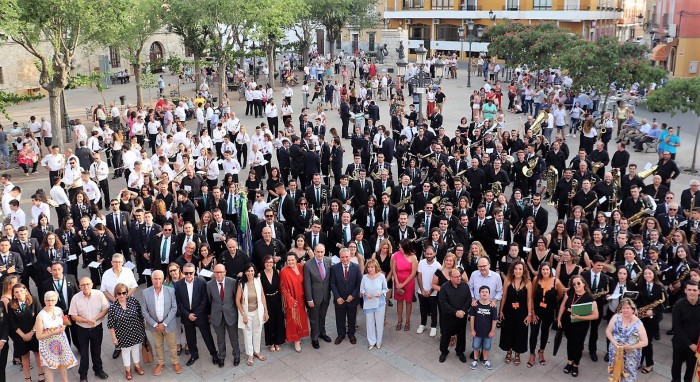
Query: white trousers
<point x="252" y="333"/>
<point x="375" y="325"/>
<point x="132" y="352"/>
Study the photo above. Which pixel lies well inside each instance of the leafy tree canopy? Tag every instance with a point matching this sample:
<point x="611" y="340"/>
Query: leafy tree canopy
<point x="534" y="45"/>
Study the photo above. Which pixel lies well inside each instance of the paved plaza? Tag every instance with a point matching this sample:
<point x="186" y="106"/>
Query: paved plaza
<point x="404" y="355"/>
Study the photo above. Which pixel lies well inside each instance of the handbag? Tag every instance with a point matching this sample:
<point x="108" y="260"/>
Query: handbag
<point x="146" y="352"/>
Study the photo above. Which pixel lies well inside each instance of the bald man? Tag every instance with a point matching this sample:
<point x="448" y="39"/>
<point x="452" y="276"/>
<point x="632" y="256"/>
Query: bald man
<point x="87" y="309"/>
<point x="160" y="312"/>
<point x="221" y="291"/>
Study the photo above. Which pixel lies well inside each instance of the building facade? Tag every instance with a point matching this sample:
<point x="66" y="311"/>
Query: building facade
<point x="674" y="29"/>
<point x="19" y="74"/>
<point x="436" y="23"/>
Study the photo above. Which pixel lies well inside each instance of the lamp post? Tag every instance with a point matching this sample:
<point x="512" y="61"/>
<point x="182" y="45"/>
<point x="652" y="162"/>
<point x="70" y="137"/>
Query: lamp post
<point x="470" y="39"/>
<point x="254" y="49"/>
<point x="422" y="79"/>
<point x="461" y="41"/>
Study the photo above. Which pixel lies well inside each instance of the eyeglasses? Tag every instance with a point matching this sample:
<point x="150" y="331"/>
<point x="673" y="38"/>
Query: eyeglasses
<point x="578" y="284"/>
<point x="114" y="204"/>
<point x="269" y="216"/>
<point x="188" y="273"/>
<point x="122" y="293"/>
<point x="167" y="229"/>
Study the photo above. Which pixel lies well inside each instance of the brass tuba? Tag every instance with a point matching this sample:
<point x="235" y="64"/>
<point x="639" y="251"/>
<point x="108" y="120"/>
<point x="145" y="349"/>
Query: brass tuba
<point x="497" y="189"/>
<point x="552" y="176"/>
<point x="536" y="126"/>
<point x="530" y="168"/>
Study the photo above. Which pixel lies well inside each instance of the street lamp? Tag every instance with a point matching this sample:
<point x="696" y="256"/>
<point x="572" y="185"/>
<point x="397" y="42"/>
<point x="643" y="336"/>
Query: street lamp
<point x="461" y="41"/>
<point x="470" y="39"/>
<point x="254" y="49"/>
<point x="422" y="79"/>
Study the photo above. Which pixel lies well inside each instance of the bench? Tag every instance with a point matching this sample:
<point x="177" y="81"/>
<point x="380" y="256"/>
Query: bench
<point x="653" y="146"/>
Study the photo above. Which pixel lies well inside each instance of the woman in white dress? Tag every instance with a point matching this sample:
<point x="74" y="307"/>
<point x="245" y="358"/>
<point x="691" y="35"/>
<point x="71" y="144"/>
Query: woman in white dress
<point x="54" y="349"/>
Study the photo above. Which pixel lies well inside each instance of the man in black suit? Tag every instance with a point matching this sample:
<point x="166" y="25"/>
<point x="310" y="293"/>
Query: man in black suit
<point x="276" y="227"/>
<point x="287" y="213"/>
<point x="425" y="220"/>
<point x="373" y="111"/>
<point x="345" y="118"/>
<point x="422" y="197"/>
<point x="403" y="190"/>
<point x="217" y="200"/>
<point x="312" y="163"/>
<point x="386" y="212"/>
<point x="341" y="233"/>
<point x="161" y="249"/>
<point x="498" y="235"/>
<point x="296" y="156"/>
<point x="362" y="189"/>
<point x="402" y="230"/>
<point x="141" y="241"/>
<point x="201" y="202"/>
<point x="388" y="147"/>
<point x="66" y="286"/>
<point x="343" y="191"/>
<point x="284" y="161"/>
<point x="193" y="307"/>
<point x="27" y="248"/>
<point x="317" y="194"/>
<point x="316" y="236"/>
<point x="382" y="184"/>
<point x="670" y="220"/>
<point x="600" y="284"/>
<point x="538" y="212"/>
<point x="185" y="237"/>
<point x="345" y="284"/>
<point x="381" y="164"/>
<point x="223" y="228"/>
<point x="118" y="224"/>
<point x="366" y="216"/>
<point x="293" y="190"/>
<point x="84" y="155"/>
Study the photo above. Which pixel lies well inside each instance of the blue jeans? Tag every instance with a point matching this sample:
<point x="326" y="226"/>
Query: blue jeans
<point x="481" y="343"/>
<point x="5" y="152"/>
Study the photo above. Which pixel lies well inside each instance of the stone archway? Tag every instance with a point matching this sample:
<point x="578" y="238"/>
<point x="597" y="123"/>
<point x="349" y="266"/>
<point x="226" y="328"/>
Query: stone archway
<point x="156" y="52"/>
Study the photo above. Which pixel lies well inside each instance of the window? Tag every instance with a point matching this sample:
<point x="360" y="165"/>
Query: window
<point x="469" y="5"/>
<point x="512" y="5"/>
<point x="447" y="33"/>
<point x="442" y="4"/>
<point x="419" y="32"/>
<point x="114" y="58"/>
<point x="541" y="4"/>
<point x="413" y="4"/>
<point x="371" y="42"/>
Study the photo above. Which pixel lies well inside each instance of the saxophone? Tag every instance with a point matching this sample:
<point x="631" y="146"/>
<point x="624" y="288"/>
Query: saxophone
<point x="402" y="203"/>
<point x="572" y="193"/>
<point x="641" y="312"/>
<point x="676" y="286"/>
<point x="694" y="235"/>
<point x="600" y="293"/>
<point x="617" y="369"/>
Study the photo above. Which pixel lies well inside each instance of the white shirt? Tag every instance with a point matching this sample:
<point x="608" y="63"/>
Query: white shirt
<point x="42" y="209"/>
<point x="153" y="127"/>
<point x="110" y="280"/>
<point x="138" y="128"/>
<point x="190" y="287"/>
<point x="72" y="176"/>
<point x="180" y="113"/>
<point x="58" y="194"/>
<point x="159" y="299"/>
<point x="200" y="115"/>
<point x="213" y="170"/>
<point x="271" y="110"/>
<point x="231" y="166"/>
<point x="46" y="129"/>
<point x="18" y="218"/>
<point x="99" y="171"/>
<point x="135" y="180"/>
<point x="427" y="271"/>
<point x="92" y="190"/>
<point x="54" y="162"/>
<point x="128" y="159"/>
<point x="166" y="244"/>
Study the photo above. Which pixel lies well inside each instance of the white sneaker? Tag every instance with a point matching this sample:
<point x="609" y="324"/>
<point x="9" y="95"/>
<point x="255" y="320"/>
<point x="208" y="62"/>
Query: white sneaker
<point x="473" y="365"/>
<point x="487" y="365"/>
<point x="574" y="135"/>
<point x="568" y="135"/>
<point x="420" y="330"/>
<point x="433" y="332"/>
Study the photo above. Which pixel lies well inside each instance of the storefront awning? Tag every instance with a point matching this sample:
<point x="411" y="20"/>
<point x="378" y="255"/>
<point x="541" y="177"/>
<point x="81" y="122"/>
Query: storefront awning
<point x="660" y="53"/>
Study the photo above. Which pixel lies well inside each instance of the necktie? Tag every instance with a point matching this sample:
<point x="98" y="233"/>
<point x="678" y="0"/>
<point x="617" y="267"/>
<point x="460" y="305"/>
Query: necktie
<point x="204" y="199"/>
<point x="164" y="250"/>
<point x="279" y="208"/>
<point x="346" y="235"/>
<point x="321" y="269"/>
<point x="427" y="222"/>
<point x="595" y="282"/>
<point x="629" y="269"/>
<point x="187" y="239"/>
<point x="529" y="239"/>
<point x="649" y="289"/>
<point x="59" y="289"/>
<point x="360" y="249"/>
<point x="488" y="207"/>
<point x="371" y="219"/>
<point x="478" y="225"/>
<point x="386" y="215"/>
<point x="383" y="186"/>
<point x="22" y="304"/>
<point x="335" y="218"/>
<point x="148" y="232"/>
<point x="500" y="236"/>
<point x="314" y="241"/>
<point x="318" y="197"/>
<point x="230" y="204"/>
<point x="221" y="291"/>
<point x="343" y="192"/>
<point x="534" y="212"/>
<point x="117" y="229"/>
<point x="24" y="247"/>
<point x="345" y="275"/>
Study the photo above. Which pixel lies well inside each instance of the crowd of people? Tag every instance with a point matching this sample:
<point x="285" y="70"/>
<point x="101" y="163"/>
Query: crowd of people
<point x="458" y="223"/>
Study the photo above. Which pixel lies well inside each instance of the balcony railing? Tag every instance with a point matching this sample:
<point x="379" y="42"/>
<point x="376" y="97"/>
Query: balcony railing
<point x="413" y="4"/>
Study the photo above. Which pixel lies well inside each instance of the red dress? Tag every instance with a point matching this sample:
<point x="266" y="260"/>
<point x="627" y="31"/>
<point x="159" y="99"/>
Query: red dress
<point x="403" y="271"/>
<point x="295" y="318"/>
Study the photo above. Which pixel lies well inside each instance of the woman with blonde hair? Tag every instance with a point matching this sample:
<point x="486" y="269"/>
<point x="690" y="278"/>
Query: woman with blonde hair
<point x="373" y="288"/>
<point x="626" y="334"/>
<point x="383" y="258"/>
<point x="476" y="251"/>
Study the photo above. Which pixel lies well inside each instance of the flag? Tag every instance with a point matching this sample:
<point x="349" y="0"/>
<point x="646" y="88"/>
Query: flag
<point x="244" y="232"/>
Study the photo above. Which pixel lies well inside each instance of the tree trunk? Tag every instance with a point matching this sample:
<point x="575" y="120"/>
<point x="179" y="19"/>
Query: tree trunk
<point x="271" y="64"/>
<point x="197" y="74"/>
<point x="55" y="115"/>
<point x="222" y="79"/>
<point x="137" y="79"/>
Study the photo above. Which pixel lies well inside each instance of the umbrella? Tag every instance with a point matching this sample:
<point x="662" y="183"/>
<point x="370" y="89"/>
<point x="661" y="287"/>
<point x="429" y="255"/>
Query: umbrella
<point x="557" y="341"/>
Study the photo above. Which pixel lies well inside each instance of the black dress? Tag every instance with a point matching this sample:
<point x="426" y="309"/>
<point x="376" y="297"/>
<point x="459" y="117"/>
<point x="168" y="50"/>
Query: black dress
<point x="565" y="277"/>
<point x="23" y="320"/>
<point x="385" y="267"/>
<point x="513" y="328"/>
<point x="274" y="327"/>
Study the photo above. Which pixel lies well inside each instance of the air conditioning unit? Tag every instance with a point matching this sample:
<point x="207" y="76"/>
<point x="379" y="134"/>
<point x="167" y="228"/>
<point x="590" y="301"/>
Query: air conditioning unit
<point x="408" y="21"/>
<point x="436" y="21"/>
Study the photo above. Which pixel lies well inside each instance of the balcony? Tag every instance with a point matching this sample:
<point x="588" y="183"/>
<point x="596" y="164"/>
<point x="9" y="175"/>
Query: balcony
<point x="413" y="4"/>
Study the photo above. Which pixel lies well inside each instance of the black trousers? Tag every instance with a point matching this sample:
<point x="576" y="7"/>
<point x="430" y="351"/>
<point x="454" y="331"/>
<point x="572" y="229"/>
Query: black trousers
<point x="593" y="340"/>
<point x="104" y="186"/>
<point x="682" y="355"/>
<point x="3" y="360"/>
<point x="258" y="107"/>
<point x="52" y="175"/>
<point x="428" y="306"/>
<point x="90" y="345"/>
<point x="317" y="320"/>
<point x="651" y="325"/>
<point x="344" y="129"/>
<point x="544" y="323"/>
<point x="242" y="152"/>
<point x="345" y="312"/>
<point x="453" y="326"/>
<point x="575" y="337"/>
<point x="249" y="107"/>
<point x="191" y="334"/>
<point x="273" y="122"/>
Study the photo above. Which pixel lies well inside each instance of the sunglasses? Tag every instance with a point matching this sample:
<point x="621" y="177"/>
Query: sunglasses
<point x="173" y="270"/>
<point x="578" y="284"/>
<point x="673" y="209"/>
<point x="269" y="216"/>
<point x="167" y="229"/>
<point x="114" y="204"/>
<point x="188" y="273"/>
<point x="122" y="293"/>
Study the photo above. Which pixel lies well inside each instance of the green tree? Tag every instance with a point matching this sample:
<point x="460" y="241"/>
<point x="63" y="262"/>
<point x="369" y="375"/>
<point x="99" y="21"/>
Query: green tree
<point x="532" y="45"/>
<point x="678" y="94"/>
<point x="623" y="64"/>
<point x="186" y="20"/>
<point x="335" y="15"/>
<point x="62" y="26"/>
<point x="9" y="99"/>
<point x="140" y="19"/>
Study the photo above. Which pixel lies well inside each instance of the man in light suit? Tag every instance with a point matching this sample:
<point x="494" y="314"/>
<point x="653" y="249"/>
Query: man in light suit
<point x="191" y="294"/>
<point x="345" y="284"/>
<point x="159" y="310"/>
<point x="224" y="314"/>
<point x="317" y="279"/>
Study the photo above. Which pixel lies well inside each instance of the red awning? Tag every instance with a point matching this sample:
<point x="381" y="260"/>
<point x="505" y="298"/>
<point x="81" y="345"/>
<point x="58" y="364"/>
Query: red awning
<point x="660" y="53"/>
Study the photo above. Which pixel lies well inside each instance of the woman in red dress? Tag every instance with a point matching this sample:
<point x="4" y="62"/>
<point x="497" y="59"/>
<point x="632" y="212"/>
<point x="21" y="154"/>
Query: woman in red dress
<point x="404" y="265"/>
<point x="292" y="288"/>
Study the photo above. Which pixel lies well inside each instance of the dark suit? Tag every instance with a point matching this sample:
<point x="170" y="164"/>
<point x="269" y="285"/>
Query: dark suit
<point x="122" y="239"/>
<point x="228" y="229"/>
<point x="44" y="259"/>
<point x="496" y="251"/>
<point x="70" y="245"/>
<point x="155" y="253"/>
<point x="542" y="218"/>
<point x="666" y="225"/>
<point x="279" y="232"/>
<point x="317" y="291"/>
<point x="28" y="257"/>
<point x="362" y="190"/>
<point x="389" y="217"/>
<point x="342" y="289"/>
<point x="310" y="194"/>
<point x="290" y="214"/>
<point x="337" y="236"/>
<point x="604" y="282"/>
<point x="322" y="239"/>
<point x="224" y="315"/>
<point x="140" y="241"/>
<point x="180" y="242"/>
<point x="69" y="288"/>
<point x="200" y="308"/>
